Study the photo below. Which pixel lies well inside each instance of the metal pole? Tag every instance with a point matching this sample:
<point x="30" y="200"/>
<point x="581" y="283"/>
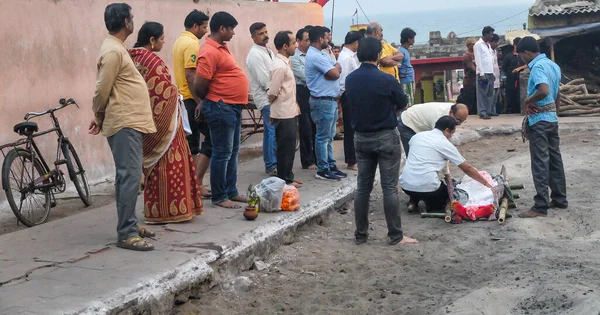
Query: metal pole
<point x="332" y="14"/>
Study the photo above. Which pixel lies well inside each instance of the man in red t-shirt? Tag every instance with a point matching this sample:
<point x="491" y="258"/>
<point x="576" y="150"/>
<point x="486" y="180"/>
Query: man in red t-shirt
<point x="223" y="87"/>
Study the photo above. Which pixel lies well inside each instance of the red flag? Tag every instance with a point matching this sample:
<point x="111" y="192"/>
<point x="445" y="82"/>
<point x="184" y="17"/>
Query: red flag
<point x="321" y="2"/>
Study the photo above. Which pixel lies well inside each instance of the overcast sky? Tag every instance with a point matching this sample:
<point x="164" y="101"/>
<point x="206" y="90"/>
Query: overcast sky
<point x="347" y="7"/>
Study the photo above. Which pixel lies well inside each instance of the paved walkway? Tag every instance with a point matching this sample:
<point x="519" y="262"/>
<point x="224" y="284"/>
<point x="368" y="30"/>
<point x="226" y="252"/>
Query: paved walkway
<point x="64" y="265"/>
<point x="72" y="266"/>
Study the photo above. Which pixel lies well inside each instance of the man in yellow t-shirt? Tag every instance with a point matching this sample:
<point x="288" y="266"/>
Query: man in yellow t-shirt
<point x="185" y="53"/>
<point x="390" y="56"/>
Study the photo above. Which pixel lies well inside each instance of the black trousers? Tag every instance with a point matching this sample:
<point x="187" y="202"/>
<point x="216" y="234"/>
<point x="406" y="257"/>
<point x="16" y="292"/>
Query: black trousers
<point x="513" y="98"/>
<point x="198" y="127"/>
<point x="435" y="200"/>
<point x="405" y="135"/>
<point x="468" y="96"/>
<point x="285" y="136"/>
<point x="349" y="151"/>
<point x="546" y="165"/>
<point x="306" y="128"/>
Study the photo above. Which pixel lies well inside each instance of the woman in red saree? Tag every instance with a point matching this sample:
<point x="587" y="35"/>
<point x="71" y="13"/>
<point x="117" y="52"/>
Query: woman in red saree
<point x="171" y="190"/>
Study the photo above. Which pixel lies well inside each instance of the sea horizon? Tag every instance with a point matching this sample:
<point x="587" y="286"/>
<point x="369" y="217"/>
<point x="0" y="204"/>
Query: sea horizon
<point x="509" y="17"/>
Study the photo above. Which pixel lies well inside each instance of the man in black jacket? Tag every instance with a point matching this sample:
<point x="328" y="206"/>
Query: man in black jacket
<point x="375" y="98"/>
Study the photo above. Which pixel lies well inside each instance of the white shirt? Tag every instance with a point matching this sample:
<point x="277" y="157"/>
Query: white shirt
<point x="483" y="57"/>
<point x="422" y="117"/>
<point x="496" y="70"/>
<point x="349" y="62"/>
<point x="259" y="62"/>
<point x="297" y="61"/>
<point x="429" y="152"/>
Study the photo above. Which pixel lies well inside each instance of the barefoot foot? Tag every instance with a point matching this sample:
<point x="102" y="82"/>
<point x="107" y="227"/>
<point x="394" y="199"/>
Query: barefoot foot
<point x="228" y="204"/>
<point x="239" y="198"/>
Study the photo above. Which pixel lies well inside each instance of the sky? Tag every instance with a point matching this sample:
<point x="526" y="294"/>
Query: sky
<point x="464" y="17"/>
<point x="347" y="7"/>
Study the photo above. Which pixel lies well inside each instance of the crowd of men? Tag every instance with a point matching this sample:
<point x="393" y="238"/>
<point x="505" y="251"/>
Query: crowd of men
<point x="300" y="84"/>
<point x="490" y="84"/>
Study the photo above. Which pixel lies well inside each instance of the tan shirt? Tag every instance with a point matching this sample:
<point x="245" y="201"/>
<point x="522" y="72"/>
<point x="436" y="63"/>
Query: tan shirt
<point x="283" y="86"/>
<point x="121" y="99"/>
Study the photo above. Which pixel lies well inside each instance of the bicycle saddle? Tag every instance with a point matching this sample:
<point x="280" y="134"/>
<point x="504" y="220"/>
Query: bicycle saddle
<point x="26" y="128"/>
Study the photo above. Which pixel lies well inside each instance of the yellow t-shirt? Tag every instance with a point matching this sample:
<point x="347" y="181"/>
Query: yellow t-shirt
<point x="185" y="53"/>
<point x="388" y="51"/>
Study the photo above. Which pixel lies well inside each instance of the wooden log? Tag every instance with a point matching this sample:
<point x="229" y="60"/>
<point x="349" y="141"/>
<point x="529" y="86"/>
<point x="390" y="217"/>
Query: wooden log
<point x="589" y="102"/>
<point x="433" y="215"/>
<point x="584" y="97"/>
<point x="576" y="81"/>
<point x="516" y="186"/>
<point x="572" y="107"/>
<point x="567" y="100"/>
<point x="569" y="89"/>
<point x="578" y="112"/>
<point x="503" y="209"/>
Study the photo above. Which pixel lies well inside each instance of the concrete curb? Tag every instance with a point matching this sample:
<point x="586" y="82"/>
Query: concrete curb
<point x="466" y="135"/>
<point x="158" y="294"/>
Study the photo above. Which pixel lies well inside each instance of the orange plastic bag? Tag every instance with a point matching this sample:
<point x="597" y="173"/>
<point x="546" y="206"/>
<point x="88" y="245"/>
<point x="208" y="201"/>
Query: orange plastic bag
<point x="291" y="199"/>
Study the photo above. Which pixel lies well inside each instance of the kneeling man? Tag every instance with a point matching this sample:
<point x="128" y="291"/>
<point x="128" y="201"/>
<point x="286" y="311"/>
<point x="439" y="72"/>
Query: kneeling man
<point x="430" y="152"/>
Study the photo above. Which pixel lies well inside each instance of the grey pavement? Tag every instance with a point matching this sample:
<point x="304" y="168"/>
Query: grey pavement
<point x="71" y="265"/>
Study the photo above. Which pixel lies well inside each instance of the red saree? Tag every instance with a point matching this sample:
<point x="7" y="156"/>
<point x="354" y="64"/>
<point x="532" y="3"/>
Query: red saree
<point x="171" y="191"/>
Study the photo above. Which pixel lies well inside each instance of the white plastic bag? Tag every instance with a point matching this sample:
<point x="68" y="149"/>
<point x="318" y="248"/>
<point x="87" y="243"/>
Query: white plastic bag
<point x="185" y="121"/>
<point x="270" y="191"/>
<point x="479" y="195"/>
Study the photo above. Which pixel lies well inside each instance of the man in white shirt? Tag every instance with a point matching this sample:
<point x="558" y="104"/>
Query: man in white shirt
<point x="485" y="73"/>
<point x="349" y="62"/>
<point x="259" y="62"/>
<point x="429" y="154"/>
<point x="423" y="117"/>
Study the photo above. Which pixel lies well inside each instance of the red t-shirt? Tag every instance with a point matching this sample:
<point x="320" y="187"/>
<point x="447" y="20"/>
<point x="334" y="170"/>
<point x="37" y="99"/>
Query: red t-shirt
<point x="227" y="80"/>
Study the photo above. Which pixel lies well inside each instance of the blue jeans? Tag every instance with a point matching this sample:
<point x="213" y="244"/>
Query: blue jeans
<point x="324" y="114"/>
<point x="224" y="121"/>
<point x="269" y="144"/>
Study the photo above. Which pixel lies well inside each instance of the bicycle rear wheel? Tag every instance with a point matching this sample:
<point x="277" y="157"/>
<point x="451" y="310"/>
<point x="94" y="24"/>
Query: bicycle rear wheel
<point x="77" y="174"/>
<point x="30" y="202"/>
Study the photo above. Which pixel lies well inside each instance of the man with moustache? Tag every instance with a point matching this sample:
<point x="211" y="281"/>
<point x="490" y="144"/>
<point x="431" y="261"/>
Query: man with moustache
<point x="259" y="61"/>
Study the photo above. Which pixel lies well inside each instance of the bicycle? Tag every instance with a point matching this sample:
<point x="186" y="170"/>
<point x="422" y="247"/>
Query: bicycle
<point x="28" y="180"/>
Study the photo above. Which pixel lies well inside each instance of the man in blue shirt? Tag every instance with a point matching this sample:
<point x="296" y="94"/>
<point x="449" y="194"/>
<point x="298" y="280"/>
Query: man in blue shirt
<point x="541" y="126"/>
<point x="407" y="73"/>
<point x="374" y="98"/>
<point x="322" y="74"/>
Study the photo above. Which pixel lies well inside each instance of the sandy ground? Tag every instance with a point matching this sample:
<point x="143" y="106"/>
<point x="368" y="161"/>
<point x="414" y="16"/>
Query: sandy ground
<point x="527" y="266"/>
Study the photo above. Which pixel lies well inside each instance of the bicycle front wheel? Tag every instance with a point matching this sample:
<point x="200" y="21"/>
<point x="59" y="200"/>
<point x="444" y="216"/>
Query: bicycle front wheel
<point x="29" y="201"/>
<point x="77" y="174"/>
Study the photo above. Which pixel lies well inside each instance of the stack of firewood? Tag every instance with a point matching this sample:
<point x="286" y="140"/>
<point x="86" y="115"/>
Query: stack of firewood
<point x="576" y="101"/>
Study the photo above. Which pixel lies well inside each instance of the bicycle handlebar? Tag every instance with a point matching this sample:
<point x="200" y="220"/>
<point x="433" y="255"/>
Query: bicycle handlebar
<point x="63" y="103"/>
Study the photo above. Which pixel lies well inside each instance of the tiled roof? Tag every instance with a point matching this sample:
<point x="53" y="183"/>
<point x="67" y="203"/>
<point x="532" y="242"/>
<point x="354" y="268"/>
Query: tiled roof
<point x="563" y="7"/>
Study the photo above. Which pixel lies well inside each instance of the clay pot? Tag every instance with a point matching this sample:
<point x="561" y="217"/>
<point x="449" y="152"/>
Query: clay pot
<point x="250" y="213"/>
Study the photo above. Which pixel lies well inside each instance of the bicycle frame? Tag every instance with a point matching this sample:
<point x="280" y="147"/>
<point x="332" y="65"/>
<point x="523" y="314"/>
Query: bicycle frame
<point x="36" y="151"/>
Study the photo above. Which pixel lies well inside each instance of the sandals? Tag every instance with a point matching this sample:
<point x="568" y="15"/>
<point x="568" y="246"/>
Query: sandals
<point x="136" y="243"/>
<point x="143" y="232"/>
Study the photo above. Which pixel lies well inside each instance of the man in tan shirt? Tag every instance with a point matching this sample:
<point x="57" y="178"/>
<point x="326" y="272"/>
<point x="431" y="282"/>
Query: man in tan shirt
<point x="284" y="109"/>
<point x="122" y="113"/>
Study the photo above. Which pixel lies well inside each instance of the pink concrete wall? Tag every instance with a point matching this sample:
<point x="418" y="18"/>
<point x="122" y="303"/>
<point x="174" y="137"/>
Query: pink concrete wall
<point x="50" y="49"/>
